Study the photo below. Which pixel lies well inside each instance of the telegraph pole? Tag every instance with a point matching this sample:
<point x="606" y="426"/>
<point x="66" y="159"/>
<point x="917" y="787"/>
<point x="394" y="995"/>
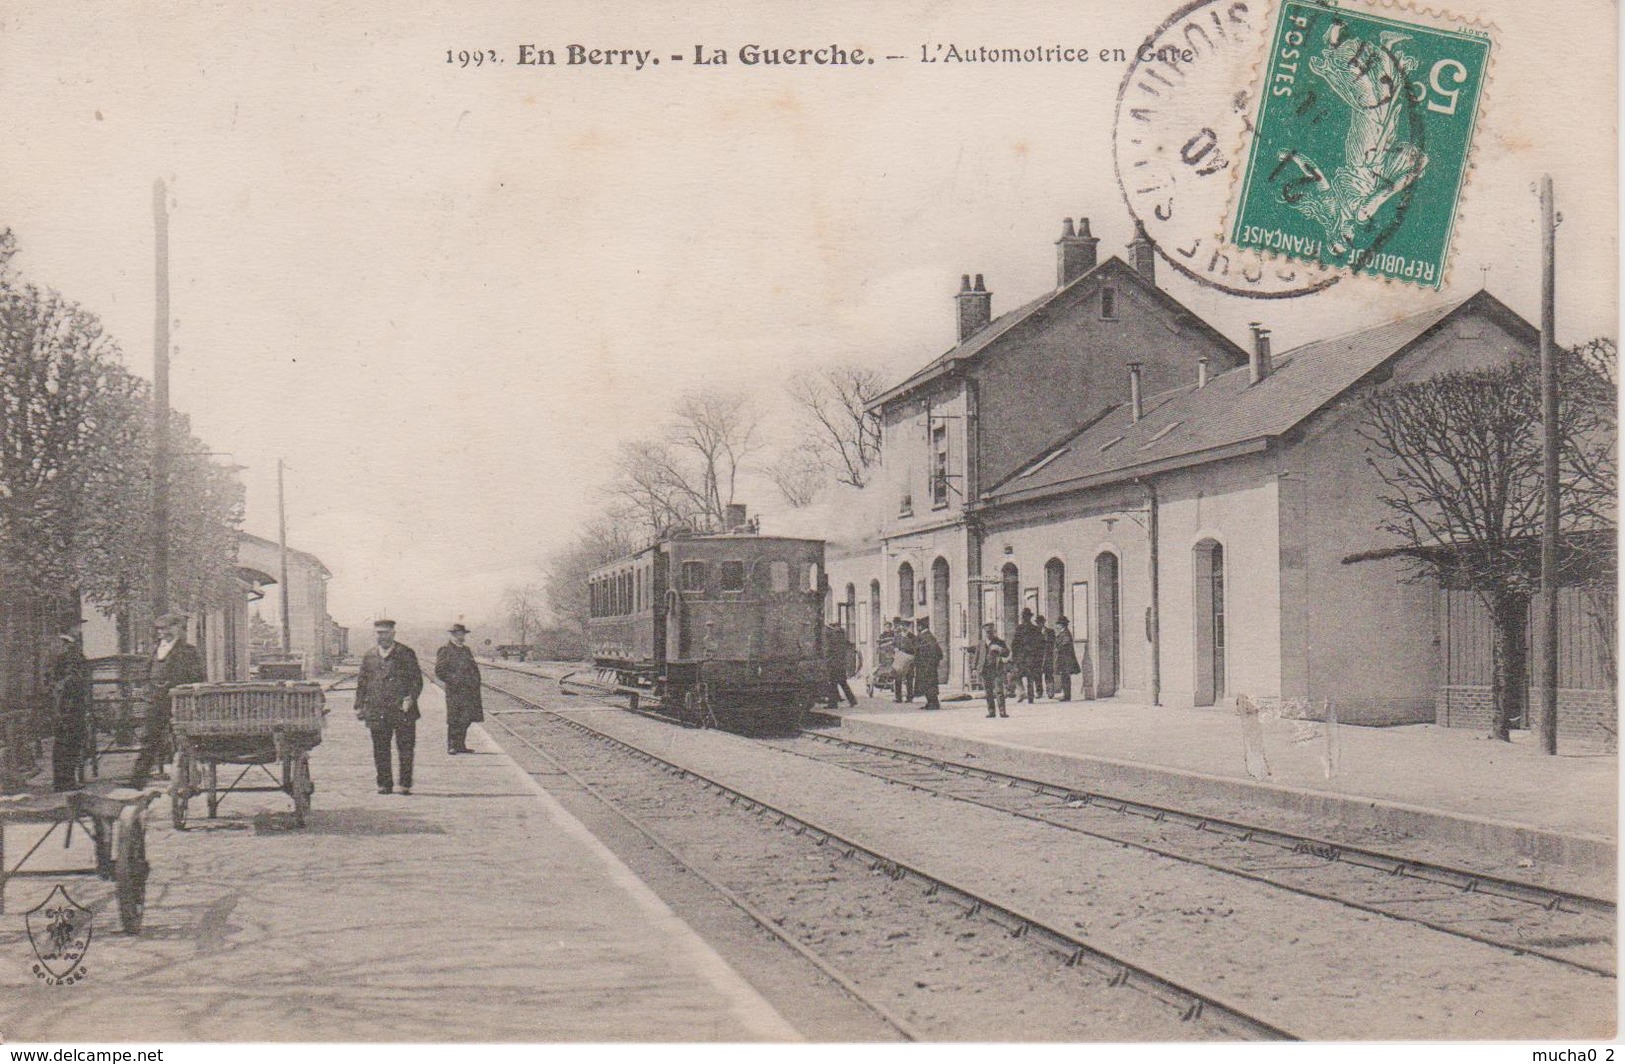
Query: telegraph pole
<point x="160" y="405"/>
<point x="282" y="539"/>
<point x="1549" y="470"/>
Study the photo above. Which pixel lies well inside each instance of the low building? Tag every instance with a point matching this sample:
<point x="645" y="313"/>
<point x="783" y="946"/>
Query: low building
<point x="1200" y="535"/>
<point x="308" y="621"/>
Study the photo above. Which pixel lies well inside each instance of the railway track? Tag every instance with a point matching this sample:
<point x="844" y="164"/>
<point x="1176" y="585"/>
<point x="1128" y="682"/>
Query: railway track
<point x="1567" y="928"/>
<point x="1571" y="929"/>
<point x="1211" y="1015"/>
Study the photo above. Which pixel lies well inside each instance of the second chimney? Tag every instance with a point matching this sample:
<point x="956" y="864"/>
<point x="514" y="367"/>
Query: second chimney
<point x="1075" y="252"/>
<point x="1201" y="372"/>
<point x="1259" y="365"/>
<point x="975" y="307"/>
<point x="1135" y="409"/>
<point x="1144" y="253"/>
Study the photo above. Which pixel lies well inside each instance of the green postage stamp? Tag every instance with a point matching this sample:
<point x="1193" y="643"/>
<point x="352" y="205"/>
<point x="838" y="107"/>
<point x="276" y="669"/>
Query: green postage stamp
<point x="1362" y="141"/>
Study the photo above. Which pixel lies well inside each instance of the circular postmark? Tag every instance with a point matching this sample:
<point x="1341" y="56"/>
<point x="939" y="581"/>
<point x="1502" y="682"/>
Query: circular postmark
<point x="1183" y="113"/>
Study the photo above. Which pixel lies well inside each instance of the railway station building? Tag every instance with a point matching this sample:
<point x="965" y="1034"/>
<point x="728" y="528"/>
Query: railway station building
<point x="1199" y="517"/>
<point x="1012" y="386"/>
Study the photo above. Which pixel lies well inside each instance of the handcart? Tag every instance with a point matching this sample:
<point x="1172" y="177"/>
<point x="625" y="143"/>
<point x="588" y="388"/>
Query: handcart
<point x="253" y="725"/>
<point x="113" y="819"/>
<point x="890" y="664"/>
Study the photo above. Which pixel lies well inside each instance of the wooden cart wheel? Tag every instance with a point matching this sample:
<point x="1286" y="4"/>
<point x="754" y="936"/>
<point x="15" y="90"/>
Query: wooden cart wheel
<point x="300" y="786"/>
<point x="130" y="874"/>
<point x="211" y="775"/>
<point x="180" y="790"/>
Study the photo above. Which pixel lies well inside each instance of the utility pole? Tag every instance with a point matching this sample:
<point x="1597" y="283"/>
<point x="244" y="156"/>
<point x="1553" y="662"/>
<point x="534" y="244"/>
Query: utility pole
<point x="282" y="541"/>
<point x="1549" y="471"/>
<point x="160" y="404"/>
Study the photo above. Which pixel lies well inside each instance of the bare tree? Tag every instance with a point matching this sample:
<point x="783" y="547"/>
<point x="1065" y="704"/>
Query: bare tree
<point x="522" y="608"/>
<point x="836" y="425"/>
<point x="689" y="474"/>
<point x="799" y="474"/>
<point x="1460" y="455"/>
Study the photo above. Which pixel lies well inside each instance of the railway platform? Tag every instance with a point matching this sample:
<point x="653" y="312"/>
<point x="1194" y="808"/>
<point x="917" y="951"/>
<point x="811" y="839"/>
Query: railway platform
<point x="476" y="909"/>
<point x="1505" y="804"/>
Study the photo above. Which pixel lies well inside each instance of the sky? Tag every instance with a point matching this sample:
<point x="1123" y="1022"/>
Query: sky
<point x="444" y="295"/>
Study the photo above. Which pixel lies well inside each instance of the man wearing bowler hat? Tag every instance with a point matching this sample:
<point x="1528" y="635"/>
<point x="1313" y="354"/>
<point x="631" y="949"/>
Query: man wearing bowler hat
<point x="174" y="662"/>
<point x="455" y="668"/>
<point x="386" y="700"/>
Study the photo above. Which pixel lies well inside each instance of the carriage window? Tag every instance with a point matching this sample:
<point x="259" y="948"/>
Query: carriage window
<point x="733" y="576"/>
<point x="693" y="576"/>
<point x="779" y="573"/>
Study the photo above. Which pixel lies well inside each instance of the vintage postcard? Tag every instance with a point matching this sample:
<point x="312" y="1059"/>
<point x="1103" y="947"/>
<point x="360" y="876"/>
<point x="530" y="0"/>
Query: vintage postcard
<point x="732" y="523"/>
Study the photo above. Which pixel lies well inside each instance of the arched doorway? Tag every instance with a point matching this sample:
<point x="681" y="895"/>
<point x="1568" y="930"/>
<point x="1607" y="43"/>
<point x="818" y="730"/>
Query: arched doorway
<point x="939" y="612"/>
<point x="1108" y="626"/>
<point x="905" y="591"/>
<point x="1207" y="580"/>
<point x="1054" y="589"/>
<point x="1012" y="598"/>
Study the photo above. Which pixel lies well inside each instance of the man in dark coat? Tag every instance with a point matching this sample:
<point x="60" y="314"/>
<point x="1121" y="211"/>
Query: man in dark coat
<point x="1027" y="656"/>
<point x="1046" y="657"/>
<point x="386" y="700"/>
<point x="1066" y="658"/>
<point x="174" y="662"/>
<point x="454" y="667"/>
<point x="837" y="660"/>
<point x="70" y="682"/>
<point x="927" y="661"/>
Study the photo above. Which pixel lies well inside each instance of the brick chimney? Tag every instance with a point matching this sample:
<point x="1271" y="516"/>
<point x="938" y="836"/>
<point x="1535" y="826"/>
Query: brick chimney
<point x="975" y="307"/>
<point x="1143" y="254"/>
<point x="1258" y="363"/>
<point x="1136" y="409"/>
<point x="1075" y="253"/>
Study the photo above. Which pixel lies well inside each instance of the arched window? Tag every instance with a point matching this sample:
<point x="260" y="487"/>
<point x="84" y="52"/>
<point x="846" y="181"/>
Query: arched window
<point x="905" y="590"/>
<point x="1054" y="589"/>
<point x="1010" y="580"/>
<point x="1207" y="580"/>
<point x="1108" y="625"/>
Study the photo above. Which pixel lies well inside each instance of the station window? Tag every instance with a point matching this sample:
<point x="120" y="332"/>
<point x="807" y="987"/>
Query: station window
<point x="939" y="466"/>
<point x="779" y="573"/>
<point x="693" y="576"/>
<point x="733" y="576"/>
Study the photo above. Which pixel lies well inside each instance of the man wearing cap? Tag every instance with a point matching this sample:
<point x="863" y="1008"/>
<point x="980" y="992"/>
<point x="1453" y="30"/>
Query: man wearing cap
<point x="454" y="667"/>
<point x="386" y="700"/>
<point x="174" y="662"/>
<point x="70" y="682"/>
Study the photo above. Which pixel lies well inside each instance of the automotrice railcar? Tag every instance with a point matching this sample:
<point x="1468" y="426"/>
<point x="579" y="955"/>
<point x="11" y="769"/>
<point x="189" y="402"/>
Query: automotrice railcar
<point x="722" y="628"/>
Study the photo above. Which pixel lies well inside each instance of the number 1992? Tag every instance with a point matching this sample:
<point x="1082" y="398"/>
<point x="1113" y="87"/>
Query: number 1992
<point x="477" y="57"/>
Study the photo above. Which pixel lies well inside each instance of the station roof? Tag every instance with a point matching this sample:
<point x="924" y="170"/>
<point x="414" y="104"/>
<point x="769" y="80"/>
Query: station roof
<point x="1190" y="425"/>
<point x="968" y="350"/>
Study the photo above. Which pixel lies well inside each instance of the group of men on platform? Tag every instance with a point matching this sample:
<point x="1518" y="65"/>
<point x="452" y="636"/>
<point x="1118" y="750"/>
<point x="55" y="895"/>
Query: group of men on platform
<point x="387" y="691"/>
<point x="1037" y="661"/>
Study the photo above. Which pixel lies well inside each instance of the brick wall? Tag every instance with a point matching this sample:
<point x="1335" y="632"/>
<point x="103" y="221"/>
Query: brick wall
<point x="1582" y="716"/>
